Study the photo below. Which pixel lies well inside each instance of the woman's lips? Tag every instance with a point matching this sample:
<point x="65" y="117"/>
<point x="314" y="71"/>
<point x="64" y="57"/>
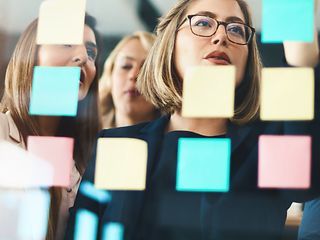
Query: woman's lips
<point x="218" y="58"/>
<point x="218" y="61"/>
<point x="132" y="93"/>
<point x="82" y="77"/>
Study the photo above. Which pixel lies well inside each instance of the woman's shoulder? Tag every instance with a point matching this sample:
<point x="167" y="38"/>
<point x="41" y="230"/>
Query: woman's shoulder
<point x="122" y="131"/>
<point x="154" y="126"/>
<point x="4" y="126"/>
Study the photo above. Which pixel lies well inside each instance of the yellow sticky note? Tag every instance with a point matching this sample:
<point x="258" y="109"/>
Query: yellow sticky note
<point x="287" y="94"/>
<point x="61" y="22"/>
<point x="208" y="92"/>
<point x="121" y="164"/>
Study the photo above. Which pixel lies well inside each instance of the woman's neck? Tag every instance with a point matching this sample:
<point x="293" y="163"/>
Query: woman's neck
<point x="203" y="126"/>
<point x="48" y="125"/>
<point x="123" y="120"/>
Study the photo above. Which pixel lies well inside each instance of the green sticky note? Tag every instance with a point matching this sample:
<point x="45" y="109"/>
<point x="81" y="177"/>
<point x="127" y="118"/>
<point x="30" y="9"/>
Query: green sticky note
<point x="55" y="91"/>
<point x="203" y="164"/>
<point x="287" y="20"/>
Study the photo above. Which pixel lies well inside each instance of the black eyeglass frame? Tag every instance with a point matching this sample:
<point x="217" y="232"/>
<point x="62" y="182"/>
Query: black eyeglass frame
<point x="225" y="24"/>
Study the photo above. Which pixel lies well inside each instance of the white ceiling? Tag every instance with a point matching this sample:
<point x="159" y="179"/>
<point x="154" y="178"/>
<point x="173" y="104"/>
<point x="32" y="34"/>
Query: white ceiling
<point x="115" y="17"/>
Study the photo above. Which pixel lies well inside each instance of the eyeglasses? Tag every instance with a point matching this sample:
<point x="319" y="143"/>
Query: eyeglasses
<point x="205" y="26"/>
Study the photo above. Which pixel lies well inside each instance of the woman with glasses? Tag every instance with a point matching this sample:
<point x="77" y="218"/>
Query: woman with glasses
<point x="202" y="33"/>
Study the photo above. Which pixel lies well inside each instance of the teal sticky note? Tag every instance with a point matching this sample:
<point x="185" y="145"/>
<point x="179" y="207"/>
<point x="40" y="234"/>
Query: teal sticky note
<point x="287" y="20"/>
<point x="113" y="231"/>
<point x="88" y="189"/>
<point x="203" y="164"/>
<point x="55" y="91"/>
<point x="86" y="225"/>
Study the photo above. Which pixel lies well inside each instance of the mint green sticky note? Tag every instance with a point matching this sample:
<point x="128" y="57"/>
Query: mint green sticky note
<point x="113" y="231"/>
<point x="287" y="20"/>
<point x="55" y="91"/>
<point x="86" y="225"/>
<point x="203" y="164"/>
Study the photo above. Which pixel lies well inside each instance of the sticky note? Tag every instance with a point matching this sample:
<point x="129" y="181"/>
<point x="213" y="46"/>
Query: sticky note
<point x="208" y="92"/>
<point x="24" y="213"/>
<point x="89" y="190"/>
<point x="56" y="26"/>
<point x="86" y="225"/>
<point x="113" y="231"/>
<point x="58" y="152"/>
<point x="121" y="164"/>
<point x="203" y="164"/>
<point x="280" y="23"/>
<point x="284" y="161"/>
<point x="287" y="94"/>
<point x="21" y="169"/>
<point x="55" y="91"/>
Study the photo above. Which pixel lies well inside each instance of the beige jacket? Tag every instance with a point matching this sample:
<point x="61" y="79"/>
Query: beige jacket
<point x="9" y="132"/>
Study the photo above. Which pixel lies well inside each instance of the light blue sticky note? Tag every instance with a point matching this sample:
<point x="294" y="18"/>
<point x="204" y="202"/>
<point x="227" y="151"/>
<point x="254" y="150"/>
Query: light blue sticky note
<point x="34" y="213"/>
<point x="287" y="20"/>
<point x="88" y="189"/>
<point x="86" y="225"/>
<point x="203" y="164"/>
<point x="55" y="91"/>
<point x="113" y="231"/>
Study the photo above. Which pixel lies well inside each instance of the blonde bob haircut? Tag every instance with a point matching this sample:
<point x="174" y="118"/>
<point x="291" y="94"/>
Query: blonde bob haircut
<point x="107" y="108"/>
<point x="159" y="82"/>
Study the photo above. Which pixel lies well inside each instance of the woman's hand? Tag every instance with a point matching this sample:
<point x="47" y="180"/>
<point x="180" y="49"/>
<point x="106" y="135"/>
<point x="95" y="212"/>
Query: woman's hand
<point x="304" y="54"/>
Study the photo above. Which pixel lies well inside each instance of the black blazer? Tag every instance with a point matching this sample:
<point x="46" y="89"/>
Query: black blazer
<point x="245" y="212"/>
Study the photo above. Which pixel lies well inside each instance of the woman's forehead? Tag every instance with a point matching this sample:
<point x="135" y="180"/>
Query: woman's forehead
<point x="220" y="9"/>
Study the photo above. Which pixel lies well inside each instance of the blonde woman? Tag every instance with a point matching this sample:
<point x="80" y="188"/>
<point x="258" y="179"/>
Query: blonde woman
<point x="205" y="33"/>
<point x="120" y="102"/>
<point x="16" y="124"/>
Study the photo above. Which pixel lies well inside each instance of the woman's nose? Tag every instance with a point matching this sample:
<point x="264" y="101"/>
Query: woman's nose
<point x="134" y="74"/>
<point x="80" y="57"/>
<point x="220" y="37"/>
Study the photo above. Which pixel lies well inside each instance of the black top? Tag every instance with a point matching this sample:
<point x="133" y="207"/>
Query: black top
<point x="167" y="213"/>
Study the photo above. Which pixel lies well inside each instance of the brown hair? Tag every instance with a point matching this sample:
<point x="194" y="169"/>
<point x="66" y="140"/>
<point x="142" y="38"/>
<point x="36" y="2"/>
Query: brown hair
<point x="160" y="84"/>
<point x="83" y="128"/>
<point x="107" y="108"/>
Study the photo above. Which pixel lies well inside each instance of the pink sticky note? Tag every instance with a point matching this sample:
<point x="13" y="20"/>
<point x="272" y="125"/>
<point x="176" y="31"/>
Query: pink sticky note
<point x="58" y="151"/>
<point x="284" y="161"/>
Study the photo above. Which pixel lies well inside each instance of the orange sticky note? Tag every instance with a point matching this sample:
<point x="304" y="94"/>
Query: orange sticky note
<point x="58" y="151"/>
<point x="284" y="161"/>
<point x="208" y="92"/>
<point x="20" y="169"/>
<point x="121" y="164"/>
<point x="61" y="22"/>
<point x="287" y="94"/>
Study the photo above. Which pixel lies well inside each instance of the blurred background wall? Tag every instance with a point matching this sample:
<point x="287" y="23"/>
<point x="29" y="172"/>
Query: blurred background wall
<point x="115" y="18"/>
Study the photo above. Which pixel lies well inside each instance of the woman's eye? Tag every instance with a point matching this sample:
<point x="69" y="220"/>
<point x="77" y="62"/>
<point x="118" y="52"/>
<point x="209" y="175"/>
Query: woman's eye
<point x="67" y="45"/>
<point x="91" y="54"/>
<point x="202" y="23"/>
<point x="236" y="30"/>
<point x="126" y="66"/>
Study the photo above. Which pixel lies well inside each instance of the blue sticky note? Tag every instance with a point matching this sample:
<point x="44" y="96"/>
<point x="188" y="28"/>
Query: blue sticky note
<point x="203" y="164"/>
<point x="86" y="225"/>
<point x="113" y="231"/>
<point x="287" y="20"/>
<point x="34" y="214"/>
<point x="88" y="189"/>
<point x="55" y="91"/>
